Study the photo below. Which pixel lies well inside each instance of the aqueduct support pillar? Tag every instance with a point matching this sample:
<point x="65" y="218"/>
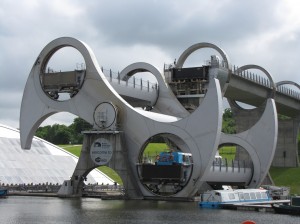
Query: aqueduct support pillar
<point x="244" y="119"/>
<point x="286" y="154"/>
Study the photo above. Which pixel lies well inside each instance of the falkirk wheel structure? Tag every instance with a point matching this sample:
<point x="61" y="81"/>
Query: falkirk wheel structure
<point x="189" y="123"/>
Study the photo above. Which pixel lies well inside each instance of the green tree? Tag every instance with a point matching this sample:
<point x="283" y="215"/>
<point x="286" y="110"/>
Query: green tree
<point x="228" y="125"/>
<point x="299" y="144"/>
<point x="42" y="132"/>
<point x="62" y="135"/>
<point x="79" y="125"/>
<point x="283" y="117"/>
<point x="56" y="134"/>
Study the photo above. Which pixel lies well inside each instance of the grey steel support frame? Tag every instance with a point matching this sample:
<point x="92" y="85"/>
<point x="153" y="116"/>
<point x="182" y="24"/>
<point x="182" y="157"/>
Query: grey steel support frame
<point x="263" y="140"/>
<point x="198" y="133"/>
<point x="117" y="163"/>
<point x="257" y="129"/>
<point x="166" y="102"/>
<point x="138" y="126"/>
<point x="258" y="140"/>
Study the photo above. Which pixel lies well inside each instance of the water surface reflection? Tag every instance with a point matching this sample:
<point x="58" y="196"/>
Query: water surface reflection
<point x="17" y="209"/>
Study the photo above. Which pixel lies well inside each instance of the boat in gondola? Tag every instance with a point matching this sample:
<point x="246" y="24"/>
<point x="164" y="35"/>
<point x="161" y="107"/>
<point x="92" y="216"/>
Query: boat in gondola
<point x="292" y="209"/>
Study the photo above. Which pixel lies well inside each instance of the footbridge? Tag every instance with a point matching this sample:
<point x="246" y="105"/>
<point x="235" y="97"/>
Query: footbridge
<point x="183" y="109"/>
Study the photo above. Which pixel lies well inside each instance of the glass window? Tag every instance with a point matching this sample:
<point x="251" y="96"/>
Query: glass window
<point x="252" y="195"/>
<point x="231" y="196"/>
<point x="241" y="195"/>
<point x="246" y="196"/>
<point x="264" y="195"/>
<point x="258" y="195"/>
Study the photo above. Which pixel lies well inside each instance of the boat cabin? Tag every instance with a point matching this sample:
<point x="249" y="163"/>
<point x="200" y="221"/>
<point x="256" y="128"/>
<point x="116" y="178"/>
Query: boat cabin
<point x="216" y="197"/>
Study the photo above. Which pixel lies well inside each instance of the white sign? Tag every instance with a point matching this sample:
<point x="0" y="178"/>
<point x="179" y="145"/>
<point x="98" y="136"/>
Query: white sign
<point x="101" y="151"/>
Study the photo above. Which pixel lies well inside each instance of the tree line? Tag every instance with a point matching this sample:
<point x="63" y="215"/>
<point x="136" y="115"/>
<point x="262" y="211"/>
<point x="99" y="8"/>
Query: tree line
<point x="61" y="134"/>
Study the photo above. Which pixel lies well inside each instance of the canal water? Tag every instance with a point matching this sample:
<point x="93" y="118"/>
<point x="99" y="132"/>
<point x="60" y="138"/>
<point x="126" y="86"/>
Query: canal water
<point x="47" y="210"/>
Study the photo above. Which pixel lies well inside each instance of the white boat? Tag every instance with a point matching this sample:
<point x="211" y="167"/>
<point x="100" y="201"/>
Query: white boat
<point x="215" y="198"/>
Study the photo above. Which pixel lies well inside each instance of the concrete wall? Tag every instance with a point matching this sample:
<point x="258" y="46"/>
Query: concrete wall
<point x="286" y="154"/>
<point x="244" y="120"/>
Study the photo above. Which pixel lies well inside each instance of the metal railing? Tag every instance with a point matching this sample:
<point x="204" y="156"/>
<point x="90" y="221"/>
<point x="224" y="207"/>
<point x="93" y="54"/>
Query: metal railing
<point x="54" y="188"/>
<point x="290" y="92"/>
<point x="231" y="165"/>
<point x="252" y="77"/>
<point x="265" y="82"/>
<point x="33" y="188"/>
<point x="103" y="188"/>
<point x="136" y="83"/>
<point x="144" y="85"/>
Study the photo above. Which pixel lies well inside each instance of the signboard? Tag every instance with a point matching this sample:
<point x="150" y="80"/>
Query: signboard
<point x="101" y="151"/>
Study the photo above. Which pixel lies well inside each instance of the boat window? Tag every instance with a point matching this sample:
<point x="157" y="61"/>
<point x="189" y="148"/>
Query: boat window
<point x="258" y="195"/>
<point x="241" y="195"/>
<point x="264" y="195"/>
<point x="252" y="195"/>
<point x="231" y="196"/>
<point x="205" y="197"/>
<point x="246" y="196"/>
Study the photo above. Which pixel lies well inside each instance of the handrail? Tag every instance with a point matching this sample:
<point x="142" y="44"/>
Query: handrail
<point x="136" y="83"/>
<point x="265" y="82"/>
<point x="234" y="164"/>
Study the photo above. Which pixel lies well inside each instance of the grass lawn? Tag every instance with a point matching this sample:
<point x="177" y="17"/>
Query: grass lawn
<point x="76" y="149"/>
<point x="289" y="177"/>
<point x="227" y="152"/>
<point x="153" y="149"/>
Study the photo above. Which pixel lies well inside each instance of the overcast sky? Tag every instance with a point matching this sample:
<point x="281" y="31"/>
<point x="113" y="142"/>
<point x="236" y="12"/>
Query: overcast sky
<point x="262" y="32"/>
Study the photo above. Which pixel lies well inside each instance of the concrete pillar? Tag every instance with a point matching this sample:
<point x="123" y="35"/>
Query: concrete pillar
<point x="118" y="162"/>
<point x="244" y="120"/>
<point x="286" y="154"/>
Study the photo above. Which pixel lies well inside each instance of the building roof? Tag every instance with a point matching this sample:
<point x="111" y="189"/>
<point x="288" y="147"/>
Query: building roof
<point x="43" y="163"/>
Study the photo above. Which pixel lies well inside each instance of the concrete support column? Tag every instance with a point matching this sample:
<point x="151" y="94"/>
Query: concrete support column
<point x="244" y="120"/>
<point x="257" y="135"/>
<point x="286" y="154"/>
<point x="118" y="162"/>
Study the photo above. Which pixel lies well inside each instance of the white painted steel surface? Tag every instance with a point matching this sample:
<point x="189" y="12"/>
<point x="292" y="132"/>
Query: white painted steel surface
<point x="198" y="133"/>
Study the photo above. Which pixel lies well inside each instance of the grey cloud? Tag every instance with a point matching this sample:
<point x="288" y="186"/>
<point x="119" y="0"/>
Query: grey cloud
<point x="111" y="27"/>
<point x="170" y="24"/>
